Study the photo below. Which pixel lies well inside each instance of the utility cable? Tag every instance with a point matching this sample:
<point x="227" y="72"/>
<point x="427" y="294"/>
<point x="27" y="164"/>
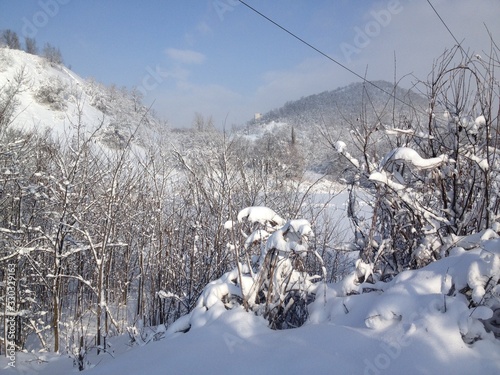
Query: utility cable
<point x="325" y="55"/>
<point x="447" y="28"/>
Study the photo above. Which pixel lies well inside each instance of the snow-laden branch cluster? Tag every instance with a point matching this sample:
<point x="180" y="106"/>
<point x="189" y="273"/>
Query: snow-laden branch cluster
<point x="429" y="176"/>
<point x="271" y="276"/>
<point x="340" y="147"/>
<point x="412" y="158"/>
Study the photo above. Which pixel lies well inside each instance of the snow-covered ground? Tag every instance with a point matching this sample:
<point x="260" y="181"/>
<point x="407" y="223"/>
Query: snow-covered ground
<point x="414" y="324"/>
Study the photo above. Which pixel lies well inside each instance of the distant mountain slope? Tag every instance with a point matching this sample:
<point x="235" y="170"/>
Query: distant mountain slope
<point x="347" y="102"/>
<point x="50" y="96"/>
<point x="337" y="113"/>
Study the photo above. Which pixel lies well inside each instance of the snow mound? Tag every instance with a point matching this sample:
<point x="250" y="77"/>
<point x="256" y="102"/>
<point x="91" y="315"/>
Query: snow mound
<point x="262" y="215"/>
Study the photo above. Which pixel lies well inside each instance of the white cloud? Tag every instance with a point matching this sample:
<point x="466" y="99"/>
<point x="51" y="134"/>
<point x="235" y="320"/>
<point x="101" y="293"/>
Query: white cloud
<point x="185" y="56"/>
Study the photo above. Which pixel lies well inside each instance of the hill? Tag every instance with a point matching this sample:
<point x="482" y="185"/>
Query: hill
<point x="51" y="97"/>
<point x="320" y="120"/>
<point x="348" y="104"/>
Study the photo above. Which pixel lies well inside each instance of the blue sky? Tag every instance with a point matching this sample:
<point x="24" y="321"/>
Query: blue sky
<point x="219" y="58"/>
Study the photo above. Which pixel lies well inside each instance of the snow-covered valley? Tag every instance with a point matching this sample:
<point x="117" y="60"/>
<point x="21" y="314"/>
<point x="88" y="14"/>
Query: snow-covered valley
<point x="127" y="247"/>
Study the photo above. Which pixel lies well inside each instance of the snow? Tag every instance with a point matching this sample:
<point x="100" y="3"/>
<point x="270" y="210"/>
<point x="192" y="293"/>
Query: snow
<point x="262" y="215"/>
<point x="480" y="121"/>
<point x="228" y="225"/>
<point x="162" y="294"/>
<point x="471" y="241"/>
<point x="412" y="324"/>
<point x="300" y="226"/>
<point x="264" y="128"/>
<point x="277" y="241"/>
<point x="256" y="237"/>
<point x="341" y="149"/>
<point x="382" y="177"/>
<point x="411" y="156"/>
<point x="481" y="312"/>
<point x="418" y="323"/>
<point x="399" y="132"/>
<point x="484" y="165"/>
<point x="340" y="146"/>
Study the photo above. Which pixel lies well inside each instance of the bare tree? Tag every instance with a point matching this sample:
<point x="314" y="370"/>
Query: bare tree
<point x="10" y="39"/>
<point x="30" y="46"/>
<point x="52" y="54"/>
<point x="201" y="123"/>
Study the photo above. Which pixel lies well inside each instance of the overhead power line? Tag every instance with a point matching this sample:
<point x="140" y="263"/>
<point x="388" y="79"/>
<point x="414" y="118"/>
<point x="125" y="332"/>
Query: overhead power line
<point x="325" y="54"/>
<point x="445" y="25"/>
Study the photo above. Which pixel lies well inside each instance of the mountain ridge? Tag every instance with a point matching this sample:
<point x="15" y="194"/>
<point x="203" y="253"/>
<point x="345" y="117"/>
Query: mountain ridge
<point x="346" y="101"/>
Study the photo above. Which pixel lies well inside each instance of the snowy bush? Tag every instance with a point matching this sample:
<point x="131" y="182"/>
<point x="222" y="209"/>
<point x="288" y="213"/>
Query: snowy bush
<point x="270" y="278"/>
<point x="53" y="93"/>
<point x="97" y="94"/>
<point x="275" y="251"/>
<point x="441" y="176"/>
<point x="99" y="101"/>
<point x="116" y="136"/>
<point x="461" y="291"/>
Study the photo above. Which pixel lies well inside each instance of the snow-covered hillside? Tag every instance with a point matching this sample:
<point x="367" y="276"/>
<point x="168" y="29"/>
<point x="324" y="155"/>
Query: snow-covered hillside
<point x="336" y="108"/>
<point x="52" y="97"/>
